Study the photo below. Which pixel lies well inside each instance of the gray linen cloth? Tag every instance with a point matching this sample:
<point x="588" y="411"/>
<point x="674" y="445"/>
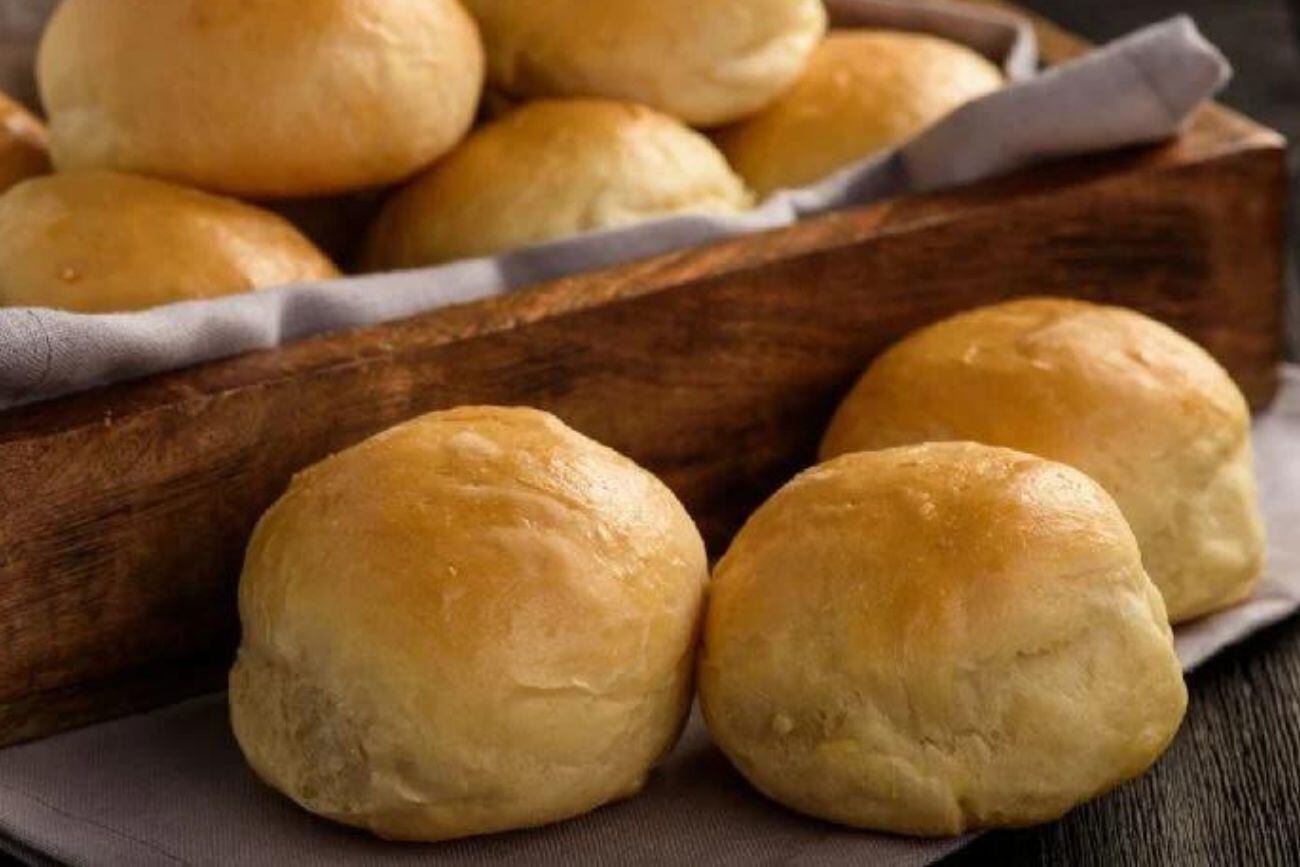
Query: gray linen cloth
<point x="1139" y="89"/>
<point x="170" y="787"/>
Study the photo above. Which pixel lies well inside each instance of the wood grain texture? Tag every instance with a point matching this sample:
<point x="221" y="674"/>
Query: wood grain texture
<point x="124" y="511"/>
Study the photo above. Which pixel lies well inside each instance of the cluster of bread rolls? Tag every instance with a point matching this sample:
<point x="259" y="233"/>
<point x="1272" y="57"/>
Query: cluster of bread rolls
<point x="960" y="619"/>
<point x="352" y="123"/>
<point x="481" y="620"/>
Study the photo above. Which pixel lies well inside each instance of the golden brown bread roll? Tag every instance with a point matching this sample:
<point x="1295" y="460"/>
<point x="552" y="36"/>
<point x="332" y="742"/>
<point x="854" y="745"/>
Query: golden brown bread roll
<point x="706" y="62"/>
<point x="863" y="92"/>
<point x="935" y="638"/>
<point x="23" y="144"/>
<point x="100" y="242"/>
<point x="276" y="98"/>
<point x="475" y="621"/>
<point x="1138" y="407"/>
<point x="548" y="170"/>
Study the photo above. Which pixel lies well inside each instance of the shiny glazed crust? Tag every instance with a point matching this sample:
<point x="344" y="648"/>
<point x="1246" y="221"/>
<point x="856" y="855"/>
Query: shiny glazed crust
<point x="265" y="99"/>
<point x="706" y="62"/>
<point x="935" y="638"/>
<point x="478" y="620"/>
<point x="548" y="170"/>
<point x="863" y="92"/>
<point x="1143" y="410"/>
<point x="102" y="242"/>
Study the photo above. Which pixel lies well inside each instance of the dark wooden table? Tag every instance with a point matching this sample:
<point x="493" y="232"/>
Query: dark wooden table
<point x="1228" y="792"/>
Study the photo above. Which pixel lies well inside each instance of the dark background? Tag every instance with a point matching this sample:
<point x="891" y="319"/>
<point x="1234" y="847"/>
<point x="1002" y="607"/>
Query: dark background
<point x="1228" y="791"/>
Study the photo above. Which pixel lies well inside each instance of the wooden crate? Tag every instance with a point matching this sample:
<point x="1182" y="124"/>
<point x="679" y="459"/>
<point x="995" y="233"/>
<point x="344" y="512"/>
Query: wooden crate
<point x="124" y="511"/>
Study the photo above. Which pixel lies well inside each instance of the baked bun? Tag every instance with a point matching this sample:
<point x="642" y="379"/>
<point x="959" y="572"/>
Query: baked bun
<point x="101" y="242"/>
<point x="275" y="98"/>
<point x="548" y="170"/>
<point x="863" y="92"/>
<point x="706" y="62"/>
<point x="478" y="620"/>
<point x="23" y="143"/>
<point x="1136" y="406"/>
<point x="935" y="638"/>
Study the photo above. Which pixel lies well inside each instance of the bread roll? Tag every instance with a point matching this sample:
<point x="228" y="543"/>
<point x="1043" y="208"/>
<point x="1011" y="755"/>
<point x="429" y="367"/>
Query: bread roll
<point x="266" y="99"/>
<point x="548" y="170"/>
<point x="863" y="92"/>
<point x="936" y="638"/>
<point x="706" y="62"/>
<point x="478" y="620"/>
<point x="1133" y="404"/>
<point x="23" y="144"/>
<point x="100" y="242"/>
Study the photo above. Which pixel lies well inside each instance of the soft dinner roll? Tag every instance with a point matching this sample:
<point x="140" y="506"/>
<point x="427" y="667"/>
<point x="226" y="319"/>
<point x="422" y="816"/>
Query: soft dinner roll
<point x="548" y="170"/>
<point x="271" y="98"/>
<point x="863" y="92"/>
<point x="1133" y="404"/>
<point x="476" y="621"/>
<point x="705" y="61"/>
<point x="99" y="242"/>
<point x="936" y="638"/>
<point x="22" y="144"/>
